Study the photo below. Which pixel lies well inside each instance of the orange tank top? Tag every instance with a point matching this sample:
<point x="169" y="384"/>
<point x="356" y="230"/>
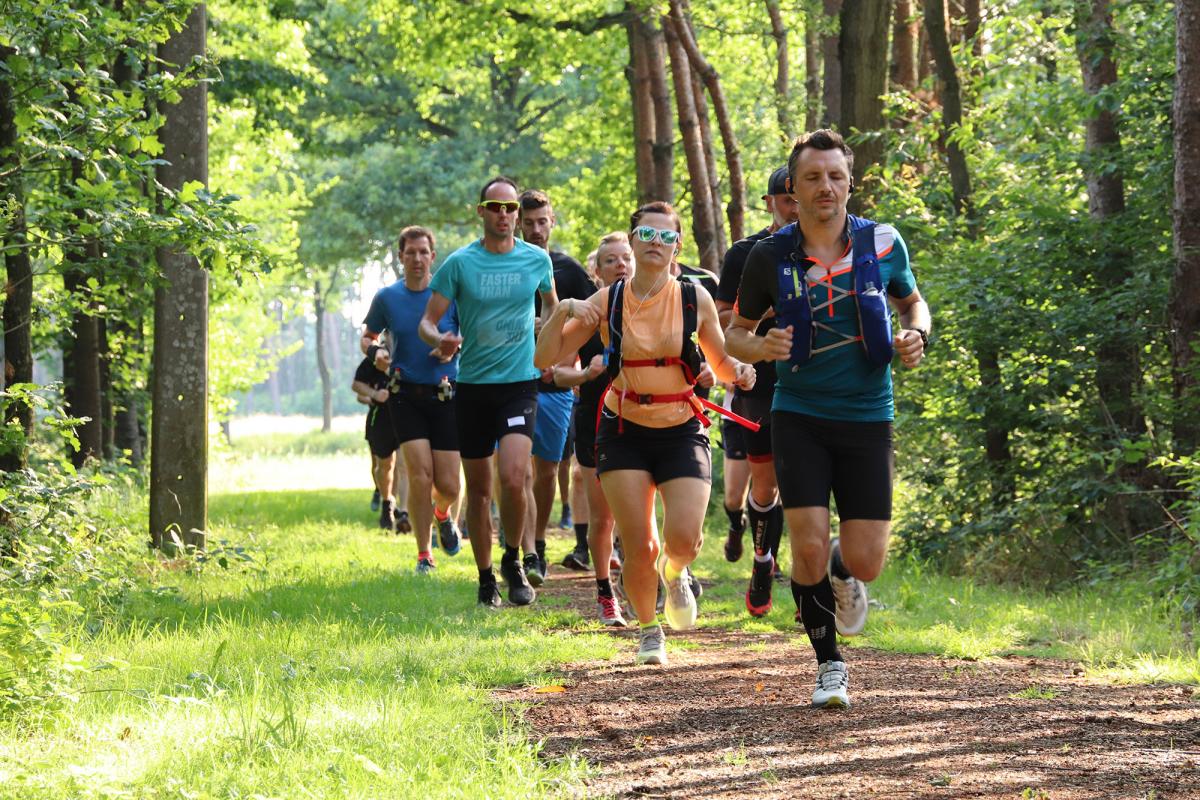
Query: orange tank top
<point x="650" y="329"/>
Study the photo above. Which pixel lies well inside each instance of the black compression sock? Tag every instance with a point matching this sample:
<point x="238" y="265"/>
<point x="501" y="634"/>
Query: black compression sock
<point x="581" y="530"/>
<point x="511" y="554"/>
<point x="737" y="518"/>
<point x="604" y="587"/>
<point x="760" y="525"/>
<point x="774" y="530"/>
<point x="487" y="576"/>
<point x="816" y="606"/>
<point x="836" y="567"/>
<point x="540" y="547"/>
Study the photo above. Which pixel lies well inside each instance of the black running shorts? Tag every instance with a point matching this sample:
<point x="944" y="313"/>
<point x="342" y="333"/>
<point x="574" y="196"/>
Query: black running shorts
<point x="381" y="436"/>
<point x="584" y="423"/>
<point x="418" y="413"/>
<point x="487" y="412"/>
<point x="755" y="408"/>
<point x="680" y="451"/>
<point x="733" y="440"/>
<point x="854" y="460"/>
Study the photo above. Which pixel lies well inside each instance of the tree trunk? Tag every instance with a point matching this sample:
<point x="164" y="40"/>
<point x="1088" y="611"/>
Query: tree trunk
<point x="736" y="210"/>
<point x="1185" y="286"/>
<point x="972" y="20"/>
<point x="863" y="55"/>
<point x="638" y="74"/>
<point x="925" y="67"/>
<point x="18" y="289"/>
<point x="905" y="37"/>
<point x="812" y="66"/>
<point x="107" y="419"/>
<point x="81" y="358"/>
<point x="179" y="425"/>
<point x="322" y="363"/>
<point x="937" y="25"/>
<point x="1118" y="369"/>
<point x="710" y="161"/>
<point x="831" y="89"/>
<point x="664" y="127"/>
<point x="783" y="102"/>
<point x="693" y="146"/>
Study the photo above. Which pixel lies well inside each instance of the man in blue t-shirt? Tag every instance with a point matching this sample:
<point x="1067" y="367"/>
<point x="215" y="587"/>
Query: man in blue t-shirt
<point x="493" y="282"/>
<point x="831" y="418"/>
<point x="422" y="399"/>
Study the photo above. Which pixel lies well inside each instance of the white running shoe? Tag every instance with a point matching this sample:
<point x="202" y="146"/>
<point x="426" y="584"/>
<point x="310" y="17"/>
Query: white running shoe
<point x="610" y="612"/>
<point x="832" y="682"/>
<point x="652" y="649"/>
<point x="850" y="596"/>
<point x="679" y="606"/>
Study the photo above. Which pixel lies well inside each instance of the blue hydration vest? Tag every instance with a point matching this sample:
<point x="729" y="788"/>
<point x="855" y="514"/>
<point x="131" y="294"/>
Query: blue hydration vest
<point x="796" y="307"/>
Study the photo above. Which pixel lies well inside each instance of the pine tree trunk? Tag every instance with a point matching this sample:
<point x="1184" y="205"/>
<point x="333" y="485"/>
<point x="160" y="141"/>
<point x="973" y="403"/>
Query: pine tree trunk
<point x="81" y="358"/>
<point x="179" y="432"/>
<point x="972" y="20"/>
<point x="937" y="25"/>
<point x="783" y="103"/>
<point x="831" y="88"/>
<point x="864" y="61"/>
<point x="664" y="126"/>
<point x="710" y="161"/>
<point x="18" y="294"/>
<point x="905" y="30"/>
<point x="693" y="147"/>
<point x="812" y="65"/>
<point x="322" y="362"/>
<point x="1185" y="287"/>
<point x="638" y="74"/>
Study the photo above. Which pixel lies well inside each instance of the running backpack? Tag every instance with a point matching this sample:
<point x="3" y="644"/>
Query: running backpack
<point x="796" y="306"/>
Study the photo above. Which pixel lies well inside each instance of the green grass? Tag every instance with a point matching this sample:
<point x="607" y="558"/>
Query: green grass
<point x="319" y="665"/>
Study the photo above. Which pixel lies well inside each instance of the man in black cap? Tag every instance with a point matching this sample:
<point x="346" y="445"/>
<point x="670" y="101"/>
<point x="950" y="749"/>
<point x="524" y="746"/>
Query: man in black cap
<point x="764" y="515"/>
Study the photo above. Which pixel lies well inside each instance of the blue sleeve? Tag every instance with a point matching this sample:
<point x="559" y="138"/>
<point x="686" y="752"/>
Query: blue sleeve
<point x="377" y="318"/>
<point x="445" y="280"/>
<point x="547" y="281"/>
<point x="901" y="282"/>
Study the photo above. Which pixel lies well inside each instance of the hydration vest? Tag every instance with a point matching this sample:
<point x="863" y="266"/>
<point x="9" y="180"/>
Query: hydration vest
<point x="688" y="360"/>
<point x="796" y="306"/>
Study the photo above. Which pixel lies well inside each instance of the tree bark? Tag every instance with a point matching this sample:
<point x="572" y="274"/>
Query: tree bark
<point x="81" y="357"/>
<point x="664" y="127"/>
<point x="812" y="66"/>
<point x="864" y="61"/>
<point x="107" y="418"/>
<point x="831" y="88"/>
<point x="18" y="289"/>
<point x="972" y="20"/>
<point x="783" y="101"/>
<point x="1185" y="285"/>
<point x="693" y="146"/>
<point x="937" y="25"/>
<point x="905" y="36"/>
<point x="710" y="161"/>
<point x="736" y="210"/>
<point x="638" y="74"/>
<point x="322" y="362"/>
<point x="179" y="425"/>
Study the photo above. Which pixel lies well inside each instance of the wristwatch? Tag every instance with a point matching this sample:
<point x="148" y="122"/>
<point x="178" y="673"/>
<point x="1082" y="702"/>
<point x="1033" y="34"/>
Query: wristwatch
<point x="924" y="337"/>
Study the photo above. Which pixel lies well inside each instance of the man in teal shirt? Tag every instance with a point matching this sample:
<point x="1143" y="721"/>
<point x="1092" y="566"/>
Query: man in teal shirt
<point x="831" y="418"/>
<point x="493" y="282"/>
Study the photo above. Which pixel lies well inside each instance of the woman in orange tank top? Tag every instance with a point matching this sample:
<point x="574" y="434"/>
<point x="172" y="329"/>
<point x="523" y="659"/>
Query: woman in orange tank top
<point x="649" y="435"/>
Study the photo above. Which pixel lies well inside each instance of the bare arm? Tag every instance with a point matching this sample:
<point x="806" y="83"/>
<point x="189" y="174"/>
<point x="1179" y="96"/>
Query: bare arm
<point x="567" y="329"/>
<point x="712" y="342"/>
<point x="914" y="317"/>
<point x="444" y="345"/>
<point x="366" y="394"/>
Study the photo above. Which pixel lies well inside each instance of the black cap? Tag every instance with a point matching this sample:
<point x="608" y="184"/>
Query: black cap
<point x="778" y="182"/>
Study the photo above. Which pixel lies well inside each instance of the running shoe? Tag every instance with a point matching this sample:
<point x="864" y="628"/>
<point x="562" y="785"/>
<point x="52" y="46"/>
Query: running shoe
<point x="758" y="596"/>
<point x="832" y="682"/>
<point x="489" y="594"/>
<point x="566" y="522"/>
<point x="402" y="523"/>
<point x="449" y="536"/>
<point x="610" y="612"/>
<point x="733" y="545"/>
<point x="779" y="575"/>
<point x="578" y="560"/>
<point x="680" y="604"/>
<point x="850" y="596"/>
<point x="694" y="582"/>
<point x="652" y="646"/>
<point x="375" y="501"/>
<point x="425" y="566"/>
<point x="520" y="593"/>
<point x="387" y="516"/>
<point x="533" y="571"/>
<point x="614" y="562"/>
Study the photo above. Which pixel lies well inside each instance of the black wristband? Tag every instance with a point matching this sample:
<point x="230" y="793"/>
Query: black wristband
<point x="924" y="337"/>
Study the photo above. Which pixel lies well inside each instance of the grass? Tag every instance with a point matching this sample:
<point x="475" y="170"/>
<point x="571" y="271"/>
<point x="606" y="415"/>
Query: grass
<point x="318" y="665"/>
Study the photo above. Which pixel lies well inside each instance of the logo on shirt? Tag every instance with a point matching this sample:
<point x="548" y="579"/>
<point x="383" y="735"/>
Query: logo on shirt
<point x="494" y="286"/>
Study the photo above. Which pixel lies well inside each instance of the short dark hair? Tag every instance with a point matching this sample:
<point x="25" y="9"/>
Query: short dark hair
<point x="415" y="232"/>
<point x="533" y="199"/>
<point x="493" y="181"/>
<point x="655" y="207"/>
<point x="823" y="139"/>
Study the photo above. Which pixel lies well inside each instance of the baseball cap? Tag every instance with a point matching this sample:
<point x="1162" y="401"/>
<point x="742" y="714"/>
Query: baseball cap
<point x="778" y="182"/>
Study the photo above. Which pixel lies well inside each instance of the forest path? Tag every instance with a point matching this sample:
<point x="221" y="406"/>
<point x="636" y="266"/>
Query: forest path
<point x="728" y="717"/>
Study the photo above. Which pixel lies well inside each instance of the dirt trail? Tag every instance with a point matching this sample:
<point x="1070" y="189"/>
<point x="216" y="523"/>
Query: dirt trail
<point x="729" y="718"/>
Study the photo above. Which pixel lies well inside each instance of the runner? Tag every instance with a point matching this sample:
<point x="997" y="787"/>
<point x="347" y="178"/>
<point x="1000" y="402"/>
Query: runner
<point x="370" y="389"/>
<point x="650" y="434"/>
<point x="422" y="405"/>
<point x="831" y="418"/>
<point x="493" y="281"/>
<point x="764" y="515"/>
<point x="551" y="429"/>
<point x="614" y="262"/>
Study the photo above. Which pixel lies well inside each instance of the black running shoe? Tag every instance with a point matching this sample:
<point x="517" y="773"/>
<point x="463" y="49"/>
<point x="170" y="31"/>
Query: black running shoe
<point x="733" y="545"/>
<point x="579" y="560"/>
<point x="449" y="536"/>
<point x="533" y="571"/>
<point x="520" y="593"/>
<point x="402" y="523"/>
<point x="758" y="596"/>
<point x="375" y="501"/>
<point x="387" y="516"/>
<point x="489" y="594"/>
